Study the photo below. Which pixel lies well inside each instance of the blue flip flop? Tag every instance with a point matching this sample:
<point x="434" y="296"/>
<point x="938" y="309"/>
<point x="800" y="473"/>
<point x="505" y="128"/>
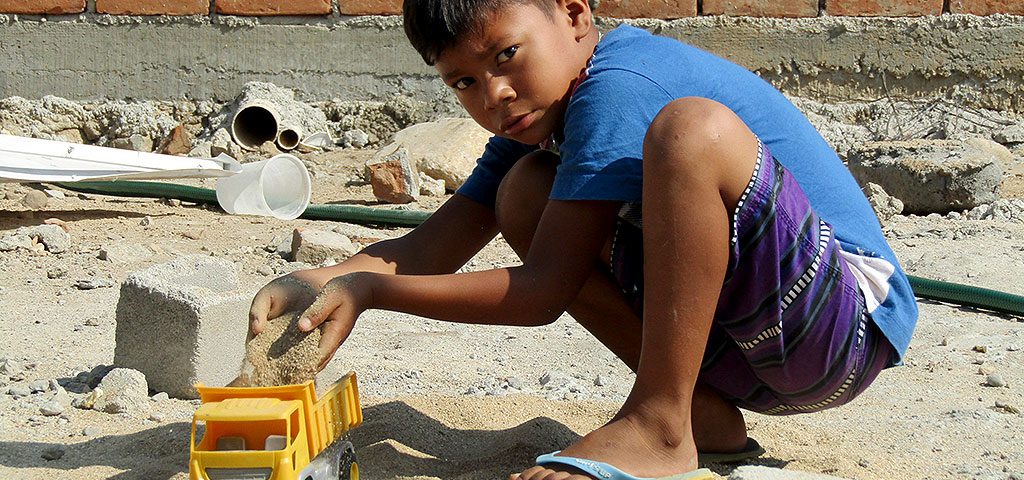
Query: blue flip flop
<point x="603" y="471"/>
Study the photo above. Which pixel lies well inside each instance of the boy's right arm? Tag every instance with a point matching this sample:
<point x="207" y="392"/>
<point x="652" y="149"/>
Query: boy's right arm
<point x="442" y="244"/>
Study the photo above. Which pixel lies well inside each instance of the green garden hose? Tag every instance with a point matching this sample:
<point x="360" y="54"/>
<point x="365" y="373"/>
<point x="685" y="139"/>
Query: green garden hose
<point x="923" y="287"/>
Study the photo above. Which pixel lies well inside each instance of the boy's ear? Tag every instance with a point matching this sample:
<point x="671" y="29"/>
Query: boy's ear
<point x="580" y="16"/>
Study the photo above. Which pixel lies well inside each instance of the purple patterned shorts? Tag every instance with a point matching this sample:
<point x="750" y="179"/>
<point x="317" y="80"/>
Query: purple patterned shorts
<point x="791" y="333"/>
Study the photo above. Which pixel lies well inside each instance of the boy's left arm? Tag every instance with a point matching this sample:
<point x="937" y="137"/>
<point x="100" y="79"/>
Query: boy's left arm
<point x="564" y="252"/>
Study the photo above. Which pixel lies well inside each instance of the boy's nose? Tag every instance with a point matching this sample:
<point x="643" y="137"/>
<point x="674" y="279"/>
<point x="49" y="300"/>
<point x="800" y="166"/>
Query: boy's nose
<point x="498" y="94"/>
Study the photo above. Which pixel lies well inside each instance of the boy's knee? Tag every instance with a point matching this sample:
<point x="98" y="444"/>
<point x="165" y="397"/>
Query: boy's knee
<point x="523" y="194"/>
<point x="688" y="130"/>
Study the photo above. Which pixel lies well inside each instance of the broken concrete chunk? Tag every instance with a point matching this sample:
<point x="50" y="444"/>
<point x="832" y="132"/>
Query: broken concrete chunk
<point x="135" y="142"/>
<point x="124" y="391"/>
<point x="933" y="176"/>
<point x="886" y="206"/>
<point x="393" y="175"/>
<point x="446" y="149"/>
<point x="53" y="239"/>
<point x="317" y="246"/>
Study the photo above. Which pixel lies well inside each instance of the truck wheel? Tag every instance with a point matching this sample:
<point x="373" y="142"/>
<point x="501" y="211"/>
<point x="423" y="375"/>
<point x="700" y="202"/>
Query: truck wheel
<point x="348" y="468"/>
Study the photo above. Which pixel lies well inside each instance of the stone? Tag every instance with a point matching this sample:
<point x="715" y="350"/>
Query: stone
<point x="933" y="176"/>
<point x="91" y="283"/>
<point x="52" y="408"/>
<point x="1010" y="135"/>
<point x="123" y="391"/>
<point x="53" y="452"/>
<point x="156" y="417"/>
<point x="122" y="252"/>
<point x="445" y="149"/>
<point x="91" y="431"/>
<point x="355" y="139"/>
<point x="57" y="194"/>
<point x="886" y="206"/>
<point x="160" y="397"/>
<point x="757" y="472"/>
<point x="393" y="175"/>
<point x="19" y="391"/>
<point x="431" y="187"/>
<point x="35" y="200"/>
<point x="995" y="380"/>
<point x="39" y="386"/>
<point x="9" y="367"/>
<point x="202" y="324"/>
<point x="53" y="239"/>
<point x="136" y="142"/>
<point x="317" y="246"/>
<point x="201" y="150"/>
<point x="178" y="143"/>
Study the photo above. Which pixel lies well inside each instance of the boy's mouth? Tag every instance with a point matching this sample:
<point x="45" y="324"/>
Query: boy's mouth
<point x="517" y="123"/>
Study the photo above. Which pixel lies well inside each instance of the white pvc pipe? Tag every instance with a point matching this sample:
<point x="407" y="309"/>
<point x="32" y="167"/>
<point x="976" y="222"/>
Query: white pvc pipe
<point x="25" y="159"/>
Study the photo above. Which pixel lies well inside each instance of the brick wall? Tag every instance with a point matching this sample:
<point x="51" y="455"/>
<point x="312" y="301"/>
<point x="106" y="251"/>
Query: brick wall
<point x="665" y="9"/>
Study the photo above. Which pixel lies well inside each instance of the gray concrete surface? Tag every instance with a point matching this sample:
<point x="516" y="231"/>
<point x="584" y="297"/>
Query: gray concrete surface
<point x="183" y="322"/>
<point x="973" y="59"/>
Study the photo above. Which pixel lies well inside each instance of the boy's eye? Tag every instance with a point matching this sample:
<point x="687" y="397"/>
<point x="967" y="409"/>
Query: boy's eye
<point x="462" y="83"/>
<point x="507" y="53"/>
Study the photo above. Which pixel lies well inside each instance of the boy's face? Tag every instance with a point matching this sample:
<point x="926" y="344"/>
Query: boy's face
<point x="514" y="77"/>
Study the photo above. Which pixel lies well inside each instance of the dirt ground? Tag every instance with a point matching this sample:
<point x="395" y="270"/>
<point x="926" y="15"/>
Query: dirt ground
<point x="465" y="402"/>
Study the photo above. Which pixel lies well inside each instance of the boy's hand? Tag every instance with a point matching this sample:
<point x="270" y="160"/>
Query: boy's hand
<point x="337" y="306"/>
<point x="288" y="293"/>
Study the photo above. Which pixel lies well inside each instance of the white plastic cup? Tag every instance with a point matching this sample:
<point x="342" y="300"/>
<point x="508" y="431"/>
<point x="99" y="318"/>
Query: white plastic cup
<point x="278" y="187"/>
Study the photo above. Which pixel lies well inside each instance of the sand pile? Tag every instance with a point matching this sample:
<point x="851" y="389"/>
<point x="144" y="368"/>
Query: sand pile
<point x="280" y="355"/>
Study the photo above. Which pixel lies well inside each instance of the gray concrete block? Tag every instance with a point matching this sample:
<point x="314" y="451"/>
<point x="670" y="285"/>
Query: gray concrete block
<point x="183" y="322"/>
<point x="757" y="472"/>
<point x="933" y="176"/>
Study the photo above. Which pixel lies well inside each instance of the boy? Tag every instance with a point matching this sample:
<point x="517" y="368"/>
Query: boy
<point x="755" y="294"/>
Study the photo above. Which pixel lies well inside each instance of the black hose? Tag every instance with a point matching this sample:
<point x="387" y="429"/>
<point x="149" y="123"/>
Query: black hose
<point x="960" y="294"/>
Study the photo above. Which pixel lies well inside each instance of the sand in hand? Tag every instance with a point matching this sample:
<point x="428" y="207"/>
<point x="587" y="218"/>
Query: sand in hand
<point x="280" y="355"/>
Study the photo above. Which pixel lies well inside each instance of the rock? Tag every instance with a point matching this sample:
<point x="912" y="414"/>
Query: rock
<point x="445" y="149"/>
<point x="393" y="175"/>
<point x="93" y="283"/>
<point x="52" y="408"/>
<point x="221" y="143"/>
<point x="178" y="143"/>
<point x="431" y="187"/>
<point x="39" y="386"/>
<point x="995" y="380"/>
<point x="156" y="417"/>
<point x="265" y="270"/>
<point x="160" y="397"/>
<point x="317" y="246"/>
<point x="354" y="139"/>
<point x="35" y="200"/>
<point x="124" y="391"/>
<point x="88" y="401"/>
<point x="9" y="367"/>
<point x="52" y="238"/>
<point x="752" y="472"/>
<point x="91" y="431"/>
<point x="136" y="142"/>
<point x="57" y="194"/>
<point x="201" y="150"/>
<point x="1010" y="135"/>
<point x="886" y="206"/>
<point x="933" y="176"/>
<point x="56" y="272"/>
<point x="600" y="381"/>
<point x="94" y="376"/>
<point x="124" y="253"/>
<point x="52" y="452"/>
<point x="19" y="391"/>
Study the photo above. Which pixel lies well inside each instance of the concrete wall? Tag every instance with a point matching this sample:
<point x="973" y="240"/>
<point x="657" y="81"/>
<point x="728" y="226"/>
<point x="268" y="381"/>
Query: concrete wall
<point x="199" y="51"/>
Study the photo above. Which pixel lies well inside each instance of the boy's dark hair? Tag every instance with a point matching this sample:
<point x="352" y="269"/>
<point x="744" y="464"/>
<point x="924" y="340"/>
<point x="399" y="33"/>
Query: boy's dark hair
<point x="434" y="25"/>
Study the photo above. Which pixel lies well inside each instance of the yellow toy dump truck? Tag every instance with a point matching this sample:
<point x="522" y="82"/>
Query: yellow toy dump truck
<point x="275" y="433"/>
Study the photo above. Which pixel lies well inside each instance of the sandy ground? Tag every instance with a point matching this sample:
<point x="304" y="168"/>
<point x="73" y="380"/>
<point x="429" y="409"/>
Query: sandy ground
<point x="464" y="402"/>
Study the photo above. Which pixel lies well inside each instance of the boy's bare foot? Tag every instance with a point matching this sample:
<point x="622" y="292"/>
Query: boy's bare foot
<point x="650" y="441"/>
<point x="642" y="442"/>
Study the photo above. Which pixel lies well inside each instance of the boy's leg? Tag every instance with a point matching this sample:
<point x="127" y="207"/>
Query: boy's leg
<point x="697" y="160"/>
<point x="601" y="307"/>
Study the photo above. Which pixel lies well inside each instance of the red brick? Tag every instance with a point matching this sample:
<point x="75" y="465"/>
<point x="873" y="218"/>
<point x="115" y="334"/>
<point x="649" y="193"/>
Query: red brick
<point x="273" y="7"/>
<point x="883" y="8"/>
<point x="647" y="8"/>
<point x="42" y="7"/>
<point x="762" y="8"/>
<point x="370" y="7"/>
<point x="153" y="7"/>
<point x="987" y="7"/>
